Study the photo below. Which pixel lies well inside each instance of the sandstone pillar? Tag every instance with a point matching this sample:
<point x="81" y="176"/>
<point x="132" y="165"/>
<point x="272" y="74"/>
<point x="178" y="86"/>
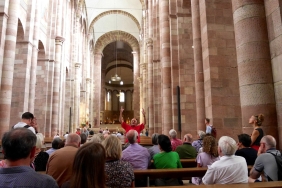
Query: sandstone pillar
<point x="88" y="82"/>
<point x="35" y="50"/>
<point x="166" y="65"/>
<point x="254" y="64"/>
<point x="3" y="25"/>
<point x="136" y="92"/>
<point x="97" y="89"/>
<point x="144" y="90"/>
<point x="56" y="86"/>
<point x="77" y="81"/>
<point x="273" y="19"/>
<point x="150" y="113"/>
<point x="8" y="65"/>
<point x="198" y="64"/>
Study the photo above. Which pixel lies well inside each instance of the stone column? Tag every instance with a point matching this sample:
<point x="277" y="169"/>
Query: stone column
<point x="97" y="89"/>
<point x="35" y="51"/>
<point x="76" y="96"/>
<point x="92" y="96"/>
<point x="144" y="89"/>
<point x="8" y="65"/>
<point x="56" y="87"/>
<point x="198" y="63"/>
<point x="88" y="82"/>
<point x="137" y="92"/>
<point x="150" y="113"/>
<point x="3" y="25"/>
<point x="254" y="64"/>
<point x="166" y="65"/>
<point x="273" y="16"/>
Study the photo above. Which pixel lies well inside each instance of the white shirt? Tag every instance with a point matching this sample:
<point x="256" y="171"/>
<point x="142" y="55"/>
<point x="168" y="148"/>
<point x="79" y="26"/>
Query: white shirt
<point x="227" y="170"/>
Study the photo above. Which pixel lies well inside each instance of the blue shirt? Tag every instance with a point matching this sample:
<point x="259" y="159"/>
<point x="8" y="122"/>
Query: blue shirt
<point x="50" y="151"/>
<point x="25" y="177"/>
<point x="137" y="156"/>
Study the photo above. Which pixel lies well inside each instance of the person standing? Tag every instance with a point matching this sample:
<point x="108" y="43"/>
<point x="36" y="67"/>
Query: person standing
<point x="133" y="124"/>
<point x="208" y="126"/>
<point x="257" y="133"/>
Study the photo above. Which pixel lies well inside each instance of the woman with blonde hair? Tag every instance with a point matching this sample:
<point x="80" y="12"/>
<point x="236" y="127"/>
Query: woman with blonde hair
<point x="257" y="133"/>
<point x="88" y="167"/>
<point x="207" y="157"/>
<point x="119" y="173"/>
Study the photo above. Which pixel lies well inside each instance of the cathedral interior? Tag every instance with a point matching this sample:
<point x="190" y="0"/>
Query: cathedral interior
<point x="75" y="63"/>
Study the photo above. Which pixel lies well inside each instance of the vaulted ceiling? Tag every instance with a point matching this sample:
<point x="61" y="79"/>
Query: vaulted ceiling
<point x="105" y="16"/>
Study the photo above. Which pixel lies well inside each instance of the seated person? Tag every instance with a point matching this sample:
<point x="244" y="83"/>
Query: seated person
<point x="83" y="138"/>
<point x="207" y="157"/>
<point x="88" y="167"/>
<point x="166" y="159"/>
<point x="19" y="151"/>
<point x="135" y="154"/>
<point x="57" y="143"/>
<point x="186" y="151"/>
<point x="197" y="144"/>
<point x="155" y="148"/>
<point x="245" y="150"/>
<point x="119" y="173"/>
<point x="41" y="157"/>
<point x="174" y="141"/>
<point x="229" y="168"/>
<point x="266" y="163"/>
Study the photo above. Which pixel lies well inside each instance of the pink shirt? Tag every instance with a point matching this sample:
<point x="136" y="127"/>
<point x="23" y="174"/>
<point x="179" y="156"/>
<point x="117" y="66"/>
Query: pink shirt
<point x="175" y="142"/>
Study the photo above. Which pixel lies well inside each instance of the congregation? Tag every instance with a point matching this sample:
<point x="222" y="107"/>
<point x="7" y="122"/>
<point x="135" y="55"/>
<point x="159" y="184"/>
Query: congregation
<point x="86" y="159"/>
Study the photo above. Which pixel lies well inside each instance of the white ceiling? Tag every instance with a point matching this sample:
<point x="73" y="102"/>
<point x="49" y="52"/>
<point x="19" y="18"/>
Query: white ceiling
<point x="108" y="22"/>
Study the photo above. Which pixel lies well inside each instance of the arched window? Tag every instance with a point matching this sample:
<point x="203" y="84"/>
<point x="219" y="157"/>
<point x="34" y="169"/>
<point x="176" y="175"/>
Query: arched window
<point x="121" y="97"/>
<point x="108" y="97"/>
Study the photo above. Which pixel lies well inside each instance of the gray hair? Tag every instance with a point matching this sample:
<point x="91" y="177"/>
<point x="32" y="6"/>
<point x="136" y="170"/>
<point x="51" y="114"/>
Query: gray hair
<point x="131" y="136"/>
<point x="96" y="139"/>
<point x="270" y="141"/>
<point x="227" y="145"/>
<point x="172" y="133"/>
<point x="201" y="134"/>
<point x="155" y="138"/>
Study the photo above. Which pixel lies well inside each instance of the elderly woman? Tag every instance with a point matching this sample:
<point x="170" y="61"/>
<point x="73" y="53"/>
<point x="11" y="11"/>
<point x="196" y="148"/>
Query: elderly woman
<point x="197" y="144"/>
<point x="166" y="159"/>
<point x="155" y="148"/>
<point x="119" y="173"/>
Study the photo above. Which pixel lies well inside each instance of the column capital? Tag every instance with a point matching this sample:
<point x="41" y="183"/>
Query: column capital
<point x="88" y="79"/>
<point x="139" y="79"/>
<point x="143" y="66"/>
<point x="149" y="42"/>
<point x="77" y="65"/>
<point x="59" y="40"/>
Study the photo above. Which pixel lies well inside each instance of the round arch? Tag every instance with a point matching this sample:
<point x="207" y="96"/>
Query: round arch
<point x="91" y="27"/>
<point x="117" y="35"/>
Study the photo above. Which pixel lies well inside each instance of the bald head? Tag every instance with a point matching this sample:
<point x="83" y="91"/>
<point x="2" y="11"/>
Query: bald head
<point x="269" y="141"/>
<point x="73" y="139"/>
<point x="131" y="136"/>
<point x="188" y="138"/>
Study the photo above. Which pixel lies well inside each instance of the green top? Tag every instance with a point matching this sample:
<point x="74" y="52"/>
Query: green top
<point x="186" y="151"/>
<point x="167" y="160"/>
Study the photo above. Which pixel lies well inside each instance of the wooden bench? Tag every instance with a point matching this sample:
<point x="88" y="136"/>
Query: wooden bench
<point x="184" y="173"/>
<point x="242" y="185"/>
<point x="145" y="141"/>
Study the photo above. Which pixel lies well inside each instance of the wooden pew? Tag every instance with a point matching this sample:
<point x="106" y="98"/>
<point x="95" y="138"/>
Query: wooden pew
<point x="145" y="141"/>
<point x="242" y="185"/>
<point x="184" y="173"/>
